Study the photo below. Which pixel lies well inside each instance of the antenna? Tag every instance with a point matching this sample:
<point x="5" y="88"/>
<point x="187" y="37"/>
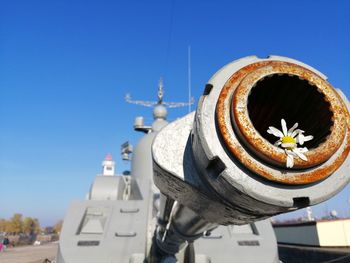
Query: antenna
<point x="189" y="80"/>
<point x="160" y="101"/>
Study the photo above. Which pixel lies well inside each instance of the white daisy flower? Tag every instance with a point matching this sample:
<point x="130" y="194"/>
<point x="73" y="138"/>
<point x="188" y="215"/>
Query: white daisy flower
<point x="289" y="140"/>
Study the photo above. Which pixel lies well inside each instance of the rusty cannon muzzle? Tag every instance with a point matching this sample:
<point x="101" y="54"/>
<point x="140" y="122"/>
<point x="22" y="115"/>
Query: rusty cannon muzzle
<point x="224" y="165"/>
<point x="260" y="95"/>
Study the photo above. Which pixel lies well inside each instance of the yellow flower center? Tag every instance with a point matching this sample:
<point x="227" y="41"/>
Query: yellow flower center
<point x="288" y="139"/>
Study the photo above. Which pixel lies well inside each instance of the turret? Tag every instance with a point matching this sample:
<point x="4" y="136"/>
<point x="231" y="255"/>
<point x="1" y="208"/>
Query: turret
<point x="269" y="136"/>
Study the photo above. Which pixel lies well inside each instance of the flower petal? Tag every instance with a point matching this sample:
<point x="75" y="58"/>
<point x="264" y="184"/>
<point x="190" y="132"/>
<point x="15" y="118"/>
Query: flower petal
<point x="284" y="127"/>
<point x="289" y="152"/>
<point x="303" y="150"/>
<point x="296" y="132"/>
<point x="308" y="138"/>
<point x="300" y="139"/>
<point x="290" y="145"/>
<point x="274" y="131"/>
<point x="292" y="129"/>
<point x="277" y="143"/>
<point x="299" y="153"/>
<point x="290" y="161"/>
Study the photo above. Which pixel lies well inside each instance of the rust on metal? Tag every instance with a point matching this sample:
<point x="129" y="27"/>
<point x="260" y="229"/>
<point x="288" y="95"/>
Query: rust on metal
<point x="234" y="121"/>
<point x="315" y="156"/>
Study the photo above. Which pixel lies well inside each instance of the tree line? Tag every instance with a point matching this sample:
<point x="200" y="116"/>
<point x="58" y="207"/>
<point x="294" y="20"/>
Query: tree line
<point x="18" y="224"/>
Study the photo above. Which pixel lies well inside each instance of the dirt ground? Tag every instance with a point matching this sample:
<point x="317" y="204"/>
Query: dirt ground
<point x="29" y="254"/>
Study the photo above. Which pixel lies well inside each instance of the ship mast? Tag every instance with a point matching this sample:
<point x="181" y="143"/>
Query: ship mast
<point x="160" y="101"/>
<point x="159" y="111"/>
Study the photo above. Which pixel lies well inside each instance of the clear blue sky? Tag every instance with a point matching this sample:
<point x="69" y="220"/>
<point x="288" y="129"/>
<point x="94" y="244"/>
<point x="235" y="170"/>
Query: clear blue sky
<point x="65" y="67"/>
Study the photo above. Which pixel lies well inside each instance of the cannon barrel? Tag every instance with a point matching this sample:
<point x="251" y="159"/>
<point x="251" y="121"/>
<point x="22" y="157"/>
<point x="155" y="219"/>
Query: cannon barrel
<point x="221" y="165"/>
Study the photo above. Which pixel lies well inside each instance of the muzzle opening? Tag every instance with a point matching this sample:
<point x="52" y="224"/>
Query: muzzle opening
<point x="294" y="99"/>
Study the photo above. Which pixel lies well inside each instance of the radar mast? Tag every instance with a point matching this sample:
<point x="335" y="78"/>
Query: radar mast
<point x="159" y="111"/>
<point x="160" y="95"/>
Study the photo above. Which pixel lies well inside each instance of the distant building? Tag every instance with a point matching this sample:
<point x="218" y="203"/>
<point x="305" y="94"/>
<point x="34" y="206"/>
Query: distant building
<point x="322" y="233"/>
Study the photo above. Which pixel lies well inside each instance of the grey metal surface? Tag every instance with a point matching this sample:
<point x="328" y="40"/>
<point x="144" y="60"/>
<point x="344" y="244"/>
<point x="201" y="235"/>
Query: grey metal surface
<point x="246" y="243"/>
<point x="128" y="225"/>
<point x="255" y="198"/>
<point x="258" y="189"/>
<point x="104" y="188"/>
<point x="128" y="219"/>
<point x="126" y="222"/>
<point x="123" y="235"/>
<point x="193" y="166"/>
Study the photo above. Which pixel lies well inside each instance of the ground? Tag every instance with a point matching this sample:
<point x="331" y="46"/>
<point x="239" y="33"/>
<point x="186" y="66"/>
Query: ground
<point x="29" y="254"/>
